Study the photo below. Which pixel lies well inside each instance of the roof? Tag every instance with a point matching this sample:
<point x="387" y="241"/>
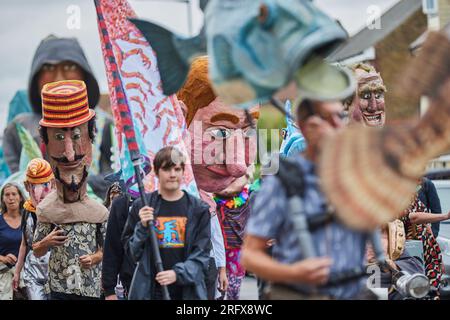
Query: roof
<point x="367" y="38"/>
<point x="438" y="174"/>
<point x="416" y="44"/>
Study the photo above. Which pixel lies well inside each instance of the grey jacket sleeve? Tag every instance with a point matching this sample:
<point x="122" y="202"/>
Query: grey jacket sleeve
<point x="12" y="147"/>
<point x="218" y="245"/>
<point x="192" y="270"/>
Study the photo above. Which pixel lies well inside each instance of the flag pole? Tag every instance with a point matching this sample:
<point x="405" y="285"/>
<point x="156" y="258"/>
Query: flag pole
<point x="127" y="126"/>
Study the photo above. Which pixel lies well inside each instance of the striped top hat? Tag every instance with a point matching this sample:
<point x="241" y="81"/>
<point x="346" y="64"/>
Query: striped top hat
<point x="39" y="171"/>
<point x="65" y="104"/>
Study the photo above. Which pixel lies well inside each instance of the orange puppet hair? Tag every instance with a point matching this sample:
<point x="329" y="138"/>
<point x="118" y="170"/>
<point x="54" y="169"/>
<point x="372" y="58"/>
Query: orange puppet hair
<point x="197" y="91"/>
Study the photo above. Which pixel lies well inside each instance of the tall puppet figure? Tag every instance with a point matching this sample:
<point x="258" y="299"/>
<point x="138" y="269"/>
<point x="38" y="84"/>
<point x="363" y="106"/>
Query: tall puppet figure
<point x="76" y="222"/>
<point x="39" y="182"/>
<point x="222" y="149"/>
<point x="367" y="105"/>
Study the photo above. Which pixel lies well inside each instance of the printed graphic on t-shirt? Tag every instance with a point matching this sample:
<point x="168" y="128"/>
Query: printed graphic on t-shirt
<point x="171" y="231"/>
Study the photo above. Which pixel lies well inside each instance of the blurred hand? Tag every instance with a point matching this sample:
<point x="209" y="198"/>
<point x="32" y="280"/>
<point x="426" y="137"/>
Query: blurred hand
<point x="316" y="129"/>
<point x="9" y="259"/>
<point x="55" y="238"/>
<point x="371" y="257"/>
<point x="313" y="271"/>
<point x="86" y="261"/>
<point x="223" y="280"/>
<point x="270" y="243"/>
<point x="111" y="297"/>
<point x="167" y="277"/>
<point x="16" y="281"/>
<point x="146" y="214"/>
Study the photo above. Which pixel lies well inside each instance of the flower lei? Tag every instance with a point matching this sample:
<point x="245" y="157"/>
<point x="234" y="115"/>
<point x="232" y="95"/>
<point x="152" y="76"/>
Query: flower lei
<point x="234" y="202"/>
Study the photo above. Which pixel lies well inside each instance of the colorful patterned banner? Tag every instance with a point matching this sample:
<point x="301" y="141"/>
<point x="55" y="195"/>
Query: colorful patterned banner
<point x="146" y="120"/>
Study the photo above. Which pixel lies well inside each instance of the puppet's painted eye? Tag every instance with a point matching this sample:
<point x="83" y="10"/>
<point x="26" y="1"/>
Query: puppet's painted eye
<point x="366" y="95"/>
<point x="59" y="136"/>
<point x="250" y="132"/>
<point x="76" y="134"/>
<point x="220" y="133"/>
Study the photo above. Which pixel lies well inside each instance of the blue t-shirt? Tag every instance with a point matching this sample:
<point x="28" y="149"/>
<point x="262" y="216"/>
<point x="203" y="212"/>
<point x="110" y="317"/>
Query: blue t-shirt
<point x="10" y="238"/>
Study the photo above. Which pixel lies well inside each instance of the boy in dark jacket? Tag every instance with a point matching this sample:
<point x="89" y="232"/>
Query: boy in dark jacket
<point x="182" y="225"/>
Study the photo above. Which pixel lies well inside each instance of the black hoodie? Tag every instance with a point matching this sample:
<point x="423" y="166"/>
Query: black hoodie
<point x="53" y="50"/>
<point x="115" y="261"/>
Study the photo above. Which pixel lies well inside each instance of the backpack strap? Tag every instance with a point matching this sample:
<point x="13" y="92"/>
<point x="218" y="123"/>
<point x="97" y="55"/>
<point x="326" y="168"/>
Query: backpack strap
<point x="292" y="178"/>
<point x="99" y="235"/>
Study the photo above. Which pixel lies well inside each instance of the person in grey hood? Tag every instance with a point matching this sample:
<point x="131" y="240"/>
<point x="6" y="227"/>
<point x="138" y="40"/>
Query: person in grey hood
<point x="57" y="59"/>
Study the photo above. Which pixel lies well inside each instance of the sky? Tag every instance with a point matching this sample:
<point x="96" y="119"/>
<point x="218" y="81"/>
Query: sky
<point x="23" y="23"/>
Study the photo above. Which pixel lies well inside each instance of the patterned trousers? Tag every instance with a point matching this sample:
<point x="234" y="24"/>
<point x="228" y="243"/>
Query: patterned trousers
<point x="235" y="273"/>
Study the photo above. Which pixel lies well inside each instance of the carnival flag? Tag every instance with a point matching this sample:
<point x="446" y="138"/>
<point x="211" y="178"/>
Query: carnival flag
<point x="146" y="120"/>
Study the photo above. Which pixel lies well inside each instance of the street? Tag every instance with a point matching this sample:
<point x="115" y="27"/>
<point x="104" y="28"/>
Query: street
<point x="249" y="289"/>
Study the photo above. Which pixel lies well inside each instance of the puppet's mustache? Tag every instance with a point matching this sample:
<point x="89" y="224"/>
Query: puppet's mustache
<point x="65" y="160"/>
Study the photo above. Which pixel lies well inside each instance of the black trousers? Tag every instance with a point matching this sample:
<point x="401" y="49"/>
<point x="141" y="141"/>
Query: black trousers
<point x="263" y="285"/>
<point x="211" y="279"/>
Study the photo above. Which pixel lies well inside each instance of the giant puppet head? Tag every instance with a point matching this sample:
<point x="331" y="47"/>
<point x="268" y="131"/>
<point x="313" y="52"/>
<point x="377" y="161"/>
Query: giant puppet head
<point x="39" y="182"/>
<point x="68" y="129"/>
<point x="223" y="142"/>
<point x="367" y="105"/>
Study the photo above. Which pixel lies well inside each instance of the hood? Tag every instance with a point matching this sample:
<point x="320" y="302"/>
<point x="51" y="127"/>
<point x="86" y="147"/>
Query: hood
<point x="55" y="50"/>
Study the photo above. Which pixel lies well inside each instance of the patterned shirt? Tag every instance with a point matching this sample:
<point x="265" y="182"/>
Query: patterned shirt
<point x="65" y="272"/>
<point x="269" y="219"/>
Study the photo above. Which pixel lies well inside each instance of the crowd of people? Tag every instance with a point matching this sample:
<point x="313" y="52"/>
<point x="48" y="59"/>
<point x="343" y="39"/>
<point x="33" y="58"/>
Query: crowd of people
<point x="57" y="243"/>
